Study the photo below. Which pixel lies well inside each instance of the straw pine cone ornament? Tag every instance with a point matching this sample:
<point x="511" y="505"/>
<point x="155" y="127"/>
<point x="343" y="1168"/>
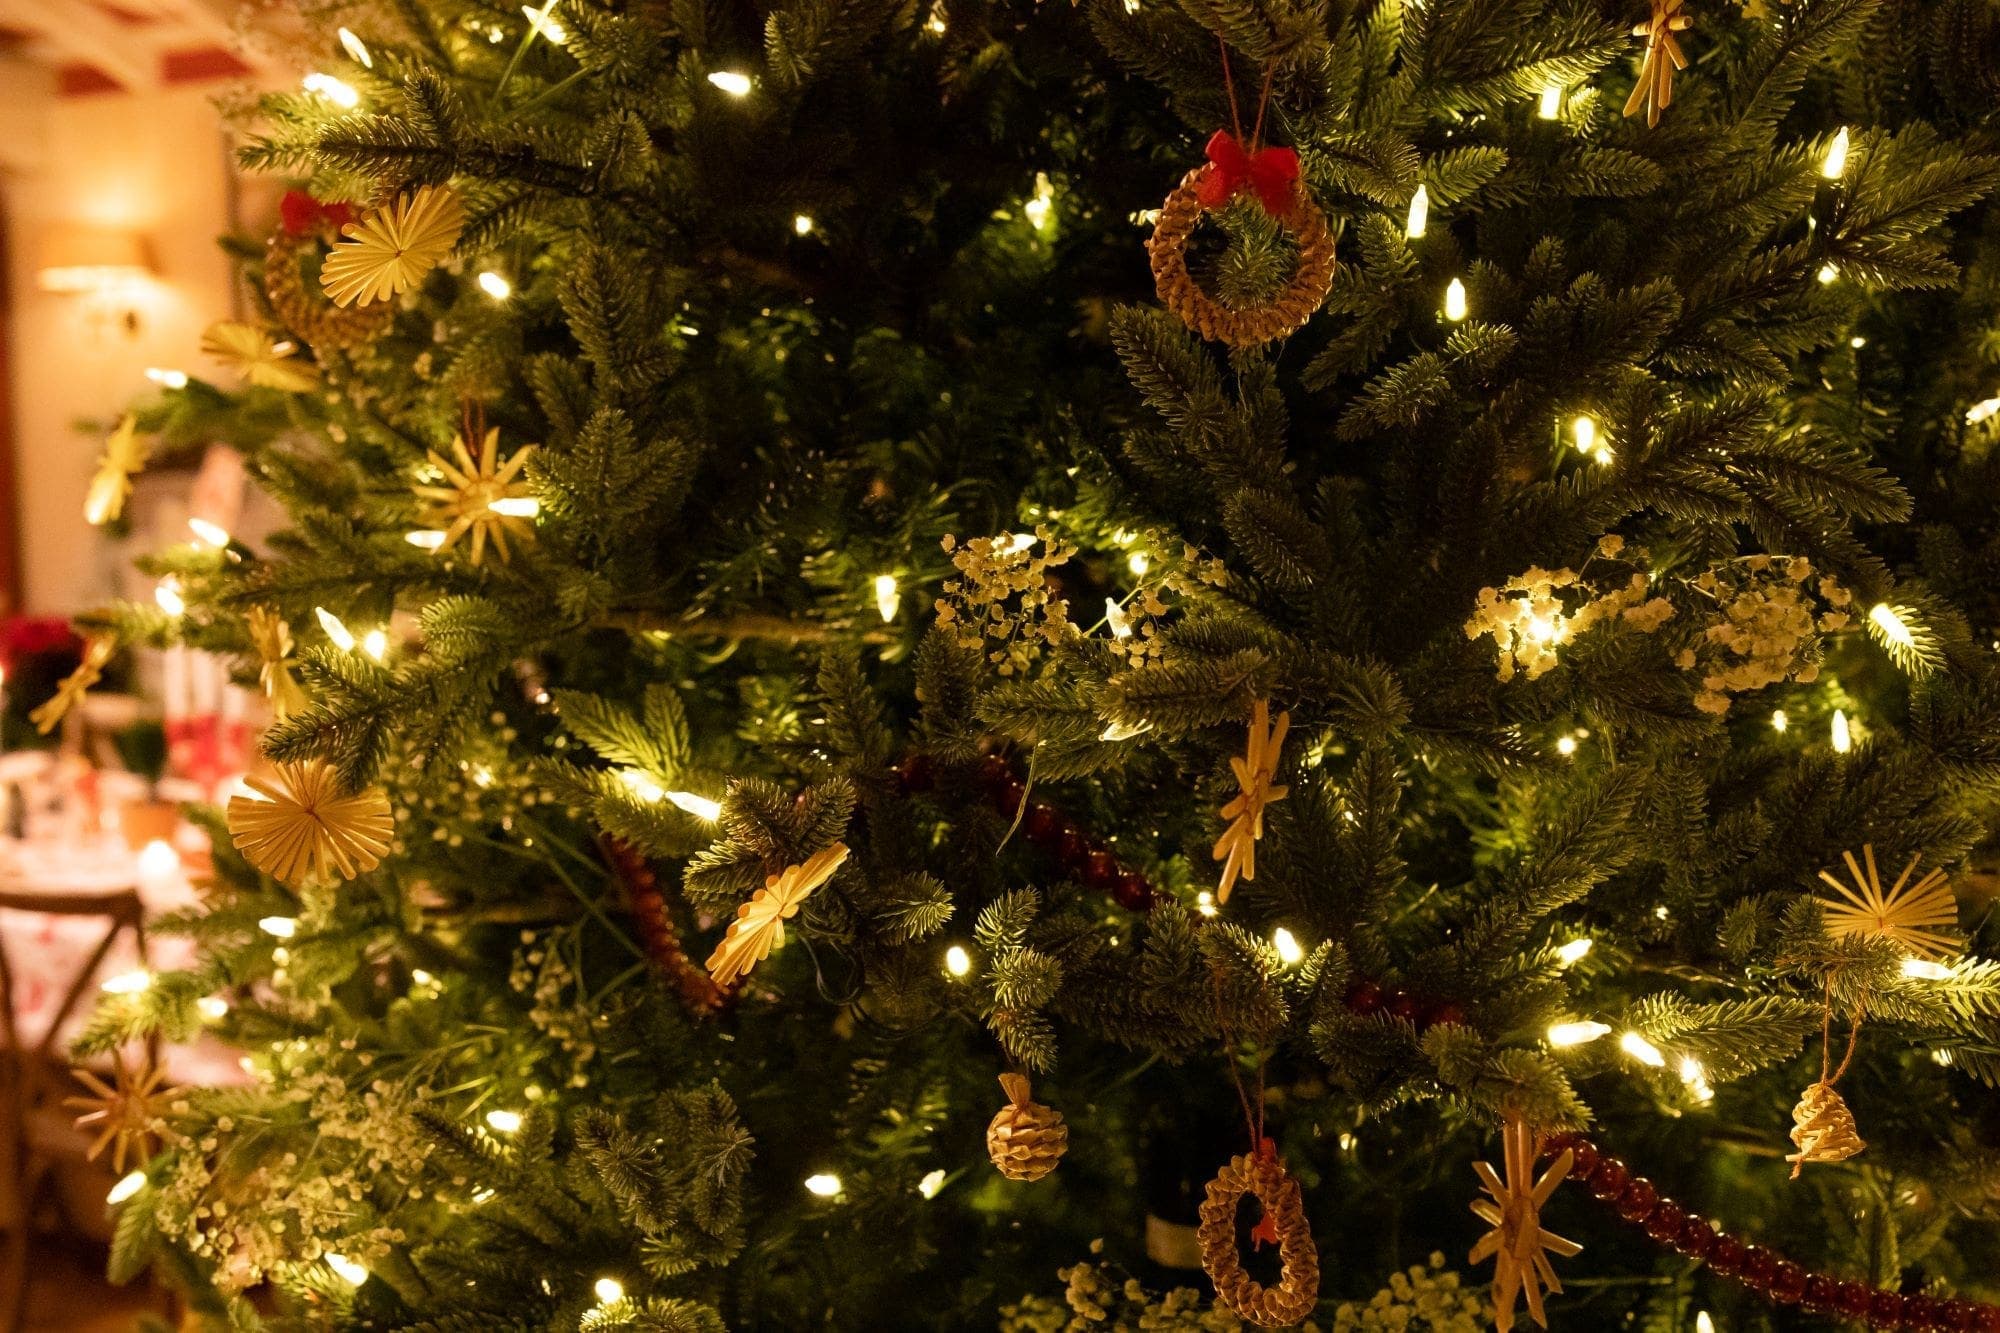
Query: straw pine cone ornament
<point x="1823" y="1129"/>
<point x="1297" y="1289"/>
<point x="1025" y="1139"/>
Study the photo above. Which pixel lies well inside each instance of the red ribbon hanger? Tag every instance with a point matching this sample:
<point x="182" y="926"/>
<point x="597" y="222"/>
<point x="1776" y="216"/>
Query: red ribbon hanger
<point x="300" y="213"/>
<point x="1237" y="164"/>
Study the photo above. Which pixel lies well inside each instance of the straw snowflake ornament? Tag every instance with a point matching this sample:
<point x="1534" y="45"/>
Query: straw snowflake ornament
<point x="125" y="453"/>
<point x="760" y="923"/>
<point x="272" y="638"/>
<point x="74" y="686"/>
<point x="1655" y="89"/>
<point x="1237" y="847"/>
<point x="302" y="822"/>
<point x="1917" y="916"/>
<point x="391" y="250"/>
<point x="124" y="1111"/>
<point x="260" y="359"/>
<point x="1517" y="1244"/>
<point x="481" y="496"/>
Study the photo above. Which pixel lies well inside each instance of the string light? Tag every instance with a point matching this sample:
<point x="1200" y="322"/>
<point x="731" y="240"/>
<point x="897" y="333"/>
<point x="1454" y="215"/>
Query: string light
<point x="1038" y="209"/>
<point x="609" y="1290"/>
<point x="1696" y="1078"/>
<point x="342" y="638"/>
<point x="167" y="378"/>
<point x="1575" y="951"/>
<point x="279" y="927"/>
<point x="1778" y="719"/>
<point x="126" y="1187"/>
<point x="1843" y="735"/>
<point x="1583" y="431"/>
<point x="886" y="596"/>
<point x="1834" y="165"/>
<point x="1566" y="746"/>
<point x="1884" y="618"/>
<point x="425" y="539"/>
<point x="1982" y="410"/>
<point x="731" y="82"/>
<point x="167" y="596"/>
<point x="1420" y="215"/>
<point x="1139" y="562"/>
<point x="1115" y="617"/>
<point x="698" y="806"/>
<point x="934" y="25"/>
<point x="333" y="90"/>
<point x="1576" y="1034"/>
<point x="1702" y="1322"/>
<point x="127" y="983"/>
<point x="539" y="20"/>
<point x="825" y="1184"/>
<point x="376" y="644"/>
<point x="495" y="285"/>
<point x="351" y="1273"/>
<point x="802" y="224"/>
<point x="210" y="534"/>
<point x="1454" y="301"/>
<point x="503" y="1122"/>
<point x="957" y="962"/>
<point x="1857" y="342"/>
<point x="1642" y="1050"/>
<point x="356" y="48"/>
<point x="212" y="1007"/>
<point x="1204" y="903"/>
<point x="1552" y="102"/>
<point x="517" y="506"/>
<point x="1828" y="273"/>
<point x="642" y="786"/>
<point x="932" y="1182"/>
<point x="1290" y="952"/>
<point x="1925" y="969"/>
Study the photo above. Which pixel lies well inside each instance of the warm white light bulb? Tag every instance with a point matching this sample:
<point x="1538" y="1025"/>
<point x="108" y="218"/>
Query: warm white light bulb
<point x="957" y="962"/>
<point x="351" y="1273"/>
<point x="1779" y="719"/>
<point x="167" y="378"/>
<point x="1642" y="1050"/>
<point x="126" y="1187"/>
<point x="642" y="786"/>
<point x="127" y="983"/>
<point x="1455" y="308"/>
<point x="279" y="927"/>
<point x="932" y="1182"/>
<point x="1139" y="562"/>
<point x="1551" y="106"/>
<point x="1982" y="410"/>
<point x="1290" y="952"/>
<point x="356" y="48"/>
<point x="1702" y="1322"/>
<point x="1828" y="273"/>
<point x="1541" y="629"/>
<point x="824" y="1183"/>
<point x="425" y="539"/>
<point x="731" y="82"/>
<point x="342" y="638"/>
<point x="698" y="806"/>
<point x="212" y="1007"/>
<point x="1695" y="1077"/>
<point x="1583" y="430"/>
<point x="886" y="599"/>
<point x="517" y="506"/>
<point x="1834" y="165"/>
<point x="1566" y="746"/>
<point x="210" y="534"/>
<point x="333" y="90"/>
<point x="1576" y="1034"/>
<point x="540" y="21"/>
<point x="1843" y="735"/>
<point x="167" y="596"/>
<point x="158" y="860"/>
<point x="503" y="1122"/>
<point x="1115" y="617"/>
<point x="1923" y="969"/>
<point x="802" y="224"/>
<point x="1575" y="951"/>
<point x="1893" y="629"/>
<point x="1204" y="903"/>
<point x="609" y="1290"/>
<point x="495" y="285"/>
<point x="376" y="644"/>
<point x="1041" y="205"/>
<point x="1419" y="219"/>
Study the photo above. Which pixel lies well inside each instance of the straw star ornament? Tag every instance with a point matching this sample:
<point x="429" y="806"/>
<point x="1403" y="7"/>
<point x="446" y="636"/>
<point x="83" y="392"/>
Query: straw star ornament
<point x="1655" y="89"/>
<point x="1517" y="1245"/>
<point x="390" y="250"/>
<point x="1921" y="917"/>
<point x="125" y="1110"/>
<point x="75" y="685"/>
<point x="272" y="638"/>
<point x="481" y="496"/>
<point x="125" y="454"/>
<point x="258" y="358"/>
<point x="302" y="822"/>
<point x="760" y="923"/>
<point x="1237" y="847"/>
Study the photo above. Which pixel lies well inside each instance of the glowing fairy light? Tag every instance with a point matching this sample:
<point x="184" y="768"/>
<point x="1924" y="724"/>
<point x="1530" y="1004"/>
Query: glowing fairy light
<point x="1542" y="630"/>
<point x="495" y="285"/>
<point x="1290" y="952"/>
<point x="209" y="534"/>
<point x="126" y="1187"/>
<point x="1925" y="969"/>
<point x="540" y="21"/>
<point x="1039" y="208"/>
<point x="1419" y="219"/>
<point x="1695" y="1078"/>
<point x="1834" y="165"/>
<point x="1779" y="720"/>
<point x="1204" y="903"/>
<point x="166" y="377"/>
<point x="127" y="983"/>
<point x="343" y="638"/>
<point x="1566" y="747"/>
<point x="886" y="597"/>
<point x="167" y="596"/>
<point x="517" y="506"/>
<point x="351" y="1273"/>
<point x="1982" y="410"/>
<point x="957" y="962"/>
<point x="932" y="1182"/>
<point x="609" y="1290"/>
<point x="1703" y="1323"/>
<point x="1577" y="1033"/>
<point x="279" y="927"/>
<point x="642" y="786"/>
<point x="802" y="224"/>
<point x="1583" y="431"/>
<point x="425" y="539"/>
<point x="1551" y="105"/>
<point x="212" y="1007"/>
<point x="1885" y="619"/>
<point x="333" y="90"/>
<point x="824" y="1184"/>
<point x="1843" y="734"/>
<point x="503" y="1122"/>
<point x="1828" y="274"/>
<point x="1139" y="562"/>
<point x="1575" y="951"/>
<point x="356" y="48"/>
<point x="1642" y="1050"/>
<point x="698" y="806"/>
<point x="1115" y="617"/>
<point x="375" y="643"/>
<point x="1455" y="308"/>
<point x="731" y="82"/>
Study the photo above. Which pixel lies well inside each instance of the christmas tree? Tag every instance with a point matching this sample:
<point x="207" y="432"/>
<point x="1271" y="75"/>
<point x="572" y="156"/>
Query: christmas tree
<point x="1336" y="589"/>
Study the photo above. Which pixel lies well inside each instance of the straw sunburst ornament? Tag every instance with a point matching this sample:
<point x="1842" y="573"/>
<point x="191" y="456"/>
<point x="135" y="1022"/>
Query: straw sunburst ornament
<point x="70" y="693"/>
<point x="1655" y="89"/>
<point x="124" y="1110"/>
<point x="1920" y="916"/>
<point x="1237" y="847"/>
<point x="392" y="249"/>
<point x="760" y="923"/>
<point x="125" y="453"/>
<point x="272" y="638"/>
<point x="482" y="496"/>
<point x="258" y="358"/>
<point x="1517" y="1245"/>
<point x="301" y="822"/>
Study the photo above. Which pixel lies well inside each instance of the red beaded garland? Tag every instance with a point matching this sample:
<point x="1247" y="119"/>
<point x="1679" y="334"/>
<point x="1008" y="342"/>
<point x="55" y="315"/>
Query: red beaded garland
<point x="1764" y="1271"/>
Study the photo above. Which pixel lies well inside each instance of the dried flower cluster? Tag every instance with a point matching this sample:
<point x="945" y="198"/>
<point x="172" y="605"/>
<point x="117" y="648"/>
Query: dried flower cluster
<point x="1766" y="628"/>
<point x="1003" y="597"/>
<point x="1539" y="610"/>
<point x="1136" y="622"/>
<point x="1103" y="1299"/>
<point x="1425" y="1297"/>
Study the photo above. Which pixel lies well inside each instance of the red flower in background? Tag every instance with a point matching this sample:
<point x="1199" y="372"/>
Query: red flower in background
<point x="25" y="637"/>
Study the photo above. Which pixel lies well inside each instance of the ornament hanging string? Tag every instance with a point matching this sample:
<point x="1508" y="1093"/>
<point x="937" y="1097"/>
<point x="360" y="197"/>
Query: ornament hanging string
<point x="1826" y="1042"/>
<point x="1256" y="139"/>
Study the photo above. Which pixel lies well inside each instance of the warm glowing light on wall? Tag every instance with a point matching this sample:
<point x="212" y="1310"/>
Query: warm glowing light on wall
<point x="92" y="259"/>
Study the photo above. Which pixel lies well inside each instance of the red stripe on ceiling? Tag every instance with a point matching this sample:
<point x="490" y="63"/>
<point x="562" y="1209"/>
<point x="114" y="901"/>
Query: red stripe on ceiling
<point x="200" y="64"/>
<point x="77" y="79"/>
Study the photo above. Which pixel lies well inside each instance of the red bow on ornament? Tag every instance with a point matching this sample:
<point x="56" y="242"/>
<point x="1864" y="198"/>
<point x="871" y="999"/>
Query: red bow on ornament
<point x="300" y="213"/>
<point x="1270" y="172"/>
<point x="1266" y="1230"/>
